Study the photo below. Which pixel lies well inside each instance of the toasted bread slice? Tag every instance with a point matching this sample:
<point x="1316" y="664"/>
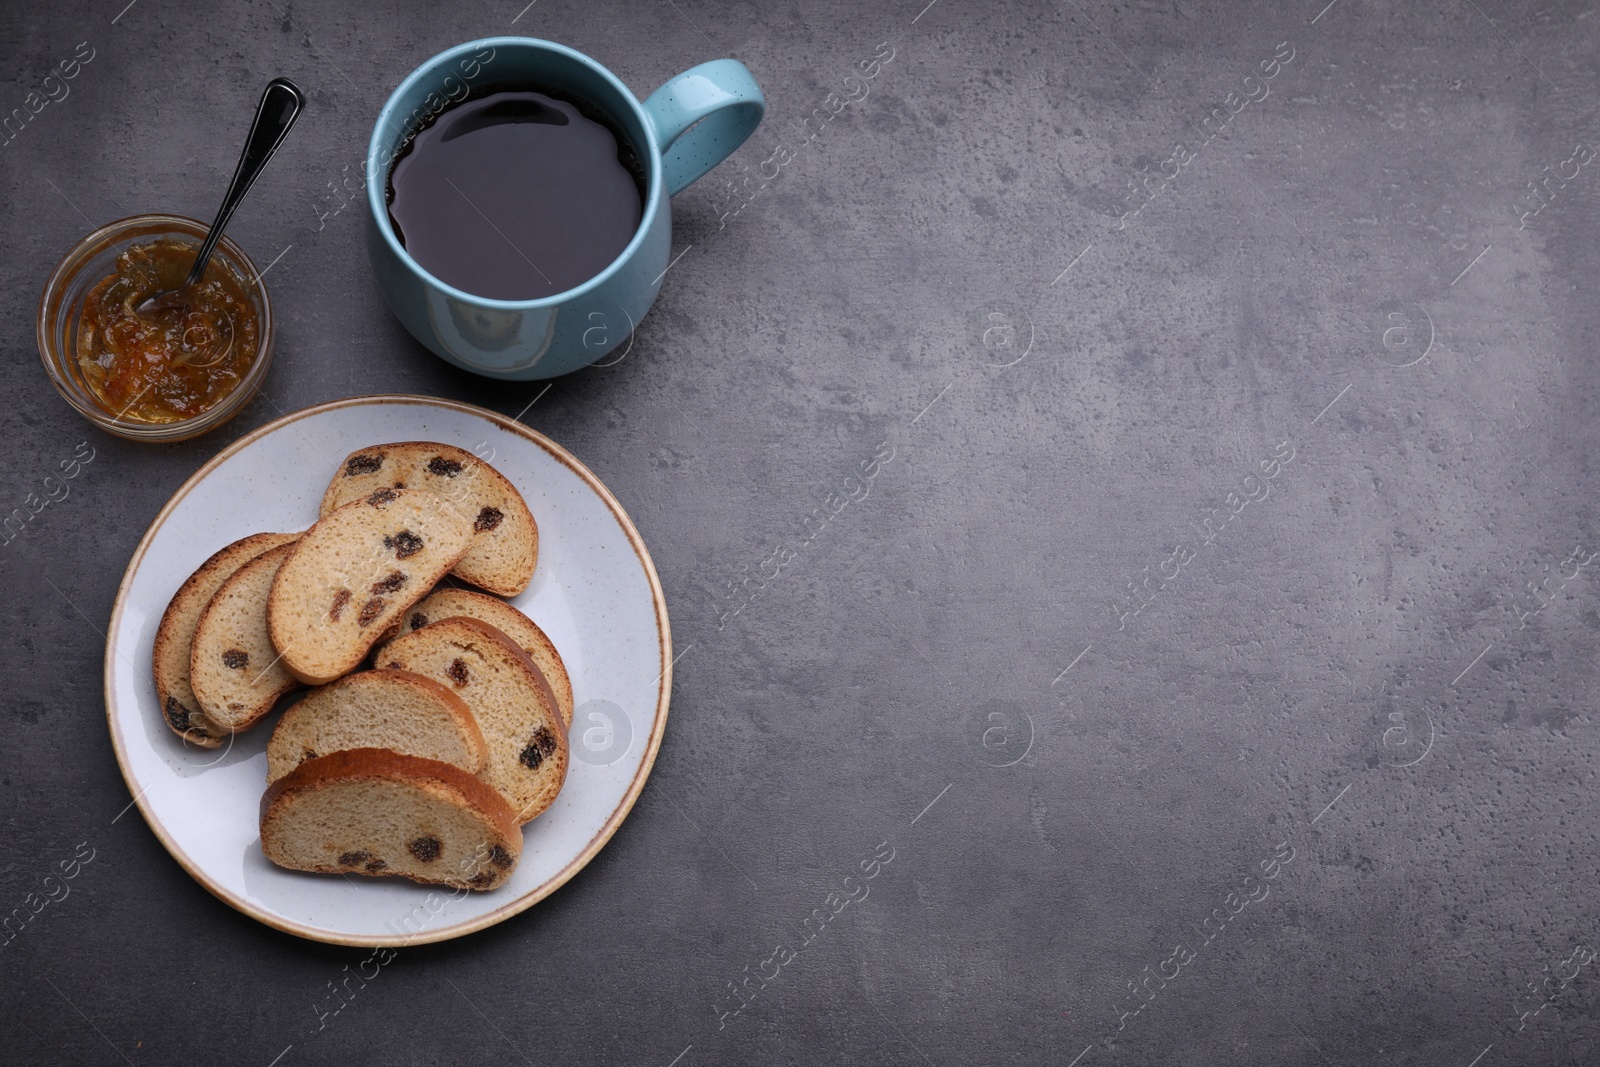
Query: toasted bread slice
<point x="509" y="697"/>
<point x="444" y="602"/>
<point x="397" y="710"/>
<point x="355" y="573"/>
<point x="175" y="637"/>
<point x="236" y="673"/>
<point x="505" y="543"/>
<point x="372" y="811"/>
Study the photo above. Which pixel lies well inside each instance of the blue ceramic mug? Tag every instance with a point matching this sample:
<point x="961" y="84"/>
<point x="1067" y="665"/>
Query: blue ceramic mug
<point x="685" y="128"/>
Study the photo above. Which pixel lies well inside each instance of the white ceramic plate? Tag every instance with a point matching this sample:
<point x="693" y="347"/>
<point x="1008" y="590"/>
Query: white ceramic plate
<point x="595" y="592"/>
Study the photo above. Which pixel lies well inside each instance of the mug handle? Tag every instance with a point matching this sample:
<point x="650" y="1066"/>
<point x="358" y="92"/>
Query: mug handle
<point x="722" y="103"/>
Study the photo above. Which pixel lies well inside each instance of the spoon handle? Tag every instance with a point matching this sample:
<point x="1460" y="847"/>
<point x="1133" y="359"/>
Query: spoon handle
<point x="280" y="106"/>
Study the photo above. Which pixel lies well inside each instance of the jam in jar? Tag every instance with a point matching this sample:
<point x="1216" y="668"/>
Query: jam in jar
<point x="165" y="366"/>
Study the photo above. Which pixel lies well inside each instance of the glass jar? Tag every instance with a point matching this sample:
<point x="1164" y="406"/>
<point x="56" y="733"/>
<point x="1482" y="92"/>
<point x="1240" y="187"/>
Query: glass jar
<point x="94" y="259"/>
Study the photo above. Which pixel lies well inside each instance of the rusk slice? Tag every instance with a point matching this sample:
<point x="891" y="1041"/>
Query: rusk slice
<point x="505" y="542"/>
<point x="175" y="637"/>
<point x="236" y="673"/>
<point x="355" y="573"/>
<point x="442" y="603"/>
<point x="396" y="710"/>
<point x="508" y="696"/>
<point x="372" y="811"/>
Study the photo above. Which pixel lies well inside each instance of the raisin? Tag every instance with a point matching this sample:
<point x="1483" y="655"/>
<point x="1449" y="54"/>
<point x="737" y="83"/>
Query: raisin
<point x="236" y="658"/>
<point x="311" y="753"/>
<point x="539" y="747"/>
<point x="481" y="880"/>
<point x="178" y="715"/>
<point x="371" y="610"/>
<point x="365" y="463"/>
<point x="499" y="857"/>
<point x="340" y="599"/>
<point x="375" y="866"/>
<point x="354" y="859"/>
<point x="426" y="849"/>
<point x="488" y="519"/>
<point x="381" y="497"/>
<point x="405" y="544"/>
<point x="393" y="582"/>
<point x="399" y="485"/>
<point x="447" y="468"/>
<point x="418" y="620"/>
<point x="458" y="672"/>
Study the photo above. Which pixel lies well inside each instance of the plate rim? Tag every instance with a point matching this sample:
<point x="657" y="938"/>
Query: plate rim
<point x="533" y="896"/>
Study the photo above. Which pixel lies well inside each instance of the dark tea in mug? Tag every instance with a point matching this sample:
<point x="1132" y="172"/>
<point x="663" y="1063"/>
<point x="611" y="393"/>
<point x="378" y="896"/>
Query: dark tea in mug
<point x="516" y="193"/>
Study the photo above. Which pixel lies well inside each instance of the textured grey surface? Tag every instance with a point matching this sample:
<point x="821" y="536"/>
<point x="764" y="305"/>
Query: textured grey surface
<point x="1351" y="669"/>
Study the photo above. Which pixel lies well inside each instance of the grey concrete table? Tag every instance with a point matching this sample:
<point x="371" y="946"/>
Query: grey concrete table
<point x="1213" y="654"/>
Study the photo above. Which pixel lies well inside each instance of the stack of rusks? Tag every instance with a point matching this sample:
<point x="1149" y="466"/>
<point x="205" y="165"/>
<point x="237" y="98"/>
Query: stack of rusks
<point x="437" y="722"/>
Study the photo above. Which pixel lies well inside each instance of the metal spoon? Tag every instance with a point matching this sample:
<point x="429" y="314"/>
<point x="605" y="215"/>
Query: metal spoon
<point x="280" y="106"/>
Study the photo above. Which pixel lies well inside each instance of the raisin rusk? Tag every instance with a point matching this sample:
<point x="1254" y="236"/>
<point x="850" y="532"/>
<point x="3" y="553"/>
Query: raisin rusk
<point x="353" y="575"/>
<point x="236" y="672"/>
<point x="402" y="712"/>
<point x="445" y="602"/>
<point x="175" y="636"/>
<point x="505" y="541"/>
<point x="373" y="811"/>
<point x="509" y="697"/>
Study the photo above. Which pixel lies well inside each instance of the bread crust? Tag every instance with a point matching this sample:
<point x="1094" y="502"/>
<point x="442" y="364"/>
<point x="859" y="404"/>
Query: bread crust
<point x="549" y="711"/>
<point x="465" y="722"/>
<point x="361" y="764"/>
<point x="175" y="636"/>
<point x="442" y="603"/>
<point x="409" y="464"/>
